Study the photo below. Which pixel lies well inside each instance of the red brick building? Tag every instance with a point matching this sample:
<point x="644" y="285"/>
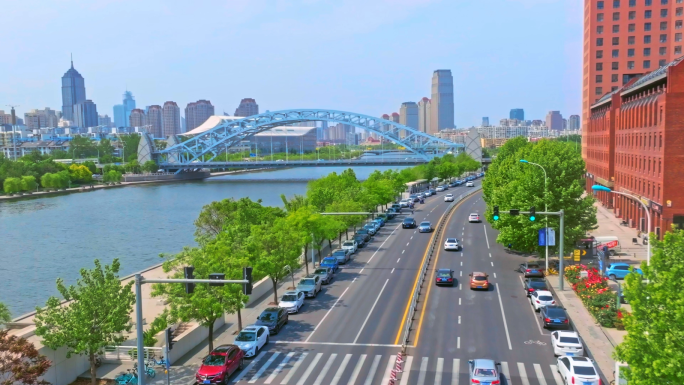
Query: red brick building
<point x="634" y="143"/>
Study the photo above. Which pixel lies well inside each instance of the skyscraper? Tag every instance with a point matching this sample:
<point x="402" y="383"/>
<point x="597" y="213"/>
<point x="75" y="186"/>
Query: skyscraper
<point x="137" y="118"/>
<point x="442" y="102"/>
<point x="154" y="120"/>
<point x="171" y="122"/>
<point x="554" y="120"/>
<point x="120" y="116"/>
<point x="424" y="115"/>
<point x="485" y="121"/>
<point x="85" y="114"/>
<point x="197" y="113"/>
<point x="36" y="119"/>
<point x="574" y="122"/>
<point x="104" y="120"/>
<point x="129" y="106"/>
<point x="247" y="107"/>
<point x="408" y="114"/>
<point x="517" y="113"/>
<point x="73" y="92"/>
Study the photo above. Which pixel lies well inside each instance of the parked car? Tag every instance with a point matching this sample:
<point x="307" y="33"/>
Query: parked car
<point x="554" y="317"/>
<point x="534" y="284"/>
<point x="251" y="339"/>
<point x="433" y="191"/>
<point x="274" y="318"/>
<point x="310" y="285"/>
<point x="404" y="203"/>
<point x="292" y="301"/>
<point x="370" y="228"/>
<point x="408" y="223"/>
<point x="474" y="218"/>
<point x="414" y="197"/>
<point x="325" y="273"/>
<point x="396" y="207"/>
<point x="541" y="298"/>
<point x="439" y="188"/>
<point x="331" y="262"/>
<point x="379" y="221"/>
<point x="425" y="227"/>
<point x="391" y="213"/>
<point x="342" y="256"/>
<point x="483" y="371"/>
<point x="566" y="343"/>
<point x="350" y="245"/>
<point x="470" y="184"/>
<point x="220" y="364"/>
<point x="360" y="240"/>
<point x="620" y="270"/>
<point x="384" y="217"/>
<point x="365" y="233"/>
<point x="531" y="269"/>
<point x="452" y="244"/>
<point x="479" y="280"/>
<point x="445" y="187"/>
<point x="449" y="198"/>
<point x="578" y="370"/>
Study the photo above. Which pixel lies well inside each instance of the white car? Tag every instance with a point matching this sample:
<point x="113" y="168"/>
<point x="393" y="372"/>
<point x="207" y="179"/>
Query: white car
<point x="470" y="184"/>
<point x="541" y="298"/>
<point x="474" y="217"/>
<point x="578" y="370"/>
<point x="251" y="339"/>
<point x="292" y="301"/>
<point x="452" y="244"/>
<point x="449" y="198"/>
<point x="404" y="203"/>
<point x="439" y="188"/>
<point x="352" y="246"/>
<point x="566" y="343"/>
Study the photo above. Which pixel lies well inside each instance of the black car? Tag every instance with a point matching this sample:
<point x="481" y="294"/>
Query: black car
<point x="409" y="223"/>
<point x="534" y="284"/>
<point x="360" y="240"/>
<point x="555" y="317"/>
<point x="365" y="233"/>
<point x="391" y="213"/>
<point x="531" y="269"/>
<point x="444" y="277"/>
<point x="396" y="207"/>
<point x="274" y="318"/>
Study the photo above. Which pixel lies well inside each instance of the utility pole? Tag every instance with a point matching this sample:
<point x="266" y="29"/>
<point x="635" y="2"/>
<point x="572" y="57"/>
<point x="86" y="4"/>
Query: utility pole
<point x="14" y="131"/>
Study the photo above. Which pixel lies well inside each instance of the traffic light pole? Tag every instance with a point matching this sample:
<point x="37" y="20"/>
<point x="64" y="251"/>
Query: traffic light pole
<point x="560" y="214"/>
<point x="139" y="281"/>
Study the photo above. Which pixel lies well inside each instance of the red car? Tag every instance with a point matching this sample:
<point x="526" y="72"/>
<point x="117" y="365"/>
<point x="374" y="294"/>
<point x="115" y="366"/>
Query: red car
<point x="220" y="364"/>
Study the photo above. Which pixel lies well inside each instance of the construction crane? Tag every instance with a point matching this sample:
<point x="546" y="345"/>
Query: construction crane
<point x="14" y="133"/>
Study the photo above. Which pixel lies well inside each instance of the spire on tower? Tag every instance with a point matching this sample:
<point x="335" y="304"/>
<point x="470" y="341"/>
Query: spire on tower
<point x="72" y="60"/>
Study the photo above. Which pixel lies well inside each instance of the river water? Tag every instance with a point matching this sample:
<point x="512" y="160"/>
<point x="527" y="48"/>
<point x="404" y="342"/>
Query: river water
<point x="53" y="237"/>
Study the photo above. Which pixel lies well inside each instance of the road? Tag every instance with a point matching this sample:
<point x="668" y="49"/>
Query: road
<point x="349" y="334"/>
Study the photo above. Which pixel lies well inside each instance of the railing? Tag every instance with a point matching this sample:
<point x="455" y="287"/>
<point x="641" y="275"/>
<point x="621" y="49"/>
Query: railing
<point x="129" y="353"/>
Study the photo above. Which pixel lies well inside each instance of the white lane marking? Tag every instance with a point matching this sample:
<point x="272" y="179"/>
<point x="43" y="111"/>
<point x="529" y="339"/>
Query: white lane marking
<point x="534" y="314"/>
<point x="486" y="237"/>
<point x="248" y="368"/>
<point x="392" y="271"/>
<point x="357" y="369"/>
<point x="461" y="263"/>
<point x="263" y="368"/>
<point x="423" y="371"/>
<point x="463" y="228"/>
<point x="462" y="233"/>
<point x="494" y="275"/>
<point x="325" y="369"/>
<point x="492" y="264"/>
<point x="354" y="280"/>
<point x="556" y="376"/>
<point x="523" y="374"/>
<point x="399" y="259"/>
<point x="407" y="243"/>
<point x="508" y="337"/>
<point x="411" y="237"/>
<point x="540" y="375"/>
<point x="455" y="368"/>
<point x="490" y="255"/>
<point x="403" y="251"/>
<point x="381" y="245"/>
<point x="459" y="301"/>
<point x="414" y="231"/>
<point x="438" y="371"/>
<point x="506" y="372"/>
<point x="459" y="320"/>
<point x="458" y="343"/>
<point x="294" y="368"/>
<point x="309" y="369"/>
<point x="340" y="370"/>
<point x="326" y="315"/>
<point x="461" y="273"/>
<point x="460" y="286"/>
<point x="279" y="368"/>
<point x="373" y="369"/>
<point x="338" y="344"/>
<point x="461" y="253"/>
<point x="371" y="311"/>
<point x="407" y="371"/>
<point x="388" y="369"/>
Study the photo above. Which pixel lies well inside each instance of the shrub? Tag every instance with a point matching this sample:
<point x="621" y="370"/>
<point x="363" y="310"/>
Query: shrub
<point x="594" y="293"/>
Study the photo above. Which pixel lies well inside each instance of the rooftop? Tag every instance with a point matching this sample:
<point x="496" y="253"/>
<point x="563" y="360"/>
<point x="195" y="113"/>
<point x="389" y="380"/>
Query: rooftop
<point x="651" y="76"/>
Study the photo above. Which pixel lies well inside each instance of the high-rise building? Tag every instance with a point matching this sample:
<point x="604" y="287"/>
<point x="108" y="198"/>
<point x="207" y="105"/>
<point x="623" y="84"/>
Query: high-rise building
<point x="197" y="113"/>
<point x="565" y="124"/>
<point x="247" y="107"/>
<point x="104" y="120"/>
<point x="554" y="120"/>
<point x="574" y="122"/>
<point x="624" y="39"/>
<point x="184" y="127"/>
<point x="129" y="106"/>
<point x="85" y="114"/>
<point x="517" y="113"/>
<point x="485" y="121"/>
<point x="424" y="115"/>
<point x="154" y="120"/>
<point x="120" y="116"/>
<point x="442" y="101"/>
<point x="137" y="118"/>
<point x="73" y="92"/>
<point x="408" y="114"/>
<point x="36" y="119"/>
<point x="171" y="121"/>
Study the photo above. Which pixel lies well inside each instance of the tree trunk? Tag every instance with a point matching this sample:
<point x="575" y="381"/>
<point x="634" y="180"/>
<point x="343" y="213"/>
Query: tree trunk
<point x="306" y="258"/>
<point x="211" y="336"/>
<point x="330" y="244"/>
<point x="239" y="314"/>
<point x="339" y="238"/>
<point x="275" y="289"/>
<point x="346" y="233"/>
<point x="93" y="369"/>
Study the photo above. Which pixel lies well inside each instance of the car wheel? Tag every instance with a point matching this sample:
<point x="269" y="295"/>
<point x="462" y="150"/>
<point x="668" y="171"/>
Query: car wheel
<point x="242" y="364"/>
<point x="612" y="277"/>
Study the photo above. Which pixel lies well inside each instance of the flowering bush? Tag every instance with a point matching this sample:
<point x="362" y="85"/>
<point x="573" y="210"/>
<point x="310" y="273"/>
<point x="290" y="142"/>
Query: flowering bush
<point x="594" y="293"/>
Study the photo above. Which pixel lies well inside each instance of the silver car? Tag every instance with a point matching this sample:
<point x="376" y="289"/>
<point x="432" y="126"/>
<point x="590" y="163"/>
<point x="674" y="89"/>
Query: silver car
<point x="483" y="371"/>
<point x="325" y="273"/>
<point x="342" y="256"/>
<point x="425" y="227"/>
<point x="371" y="228"/>
<point x="310" y="285"/>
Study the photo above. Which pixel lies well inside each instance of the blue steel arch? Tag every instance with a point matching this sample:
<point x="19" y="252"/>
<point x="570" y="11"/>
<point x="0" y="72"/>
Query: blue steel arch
<point x="229" y="133"/>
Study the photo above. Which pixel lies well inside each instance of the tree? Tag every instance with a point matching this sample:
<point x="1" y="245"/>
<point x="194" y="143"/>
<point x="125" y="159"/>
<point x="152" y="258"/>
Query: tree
<point x="5" y="315"/>
<point x="655" y="327"/>
<point x="20" y="362"/>
<point x="150" y="166"/>
<point x="47" y="180"/>
<point x="106" y="150"/>
<point x="82" y="147"/>
<point x="112" y="176"/>
<point x="242" y="213"/>
<point x="28" y="183"/>
<point x="12" y="185"/>
<point x="95" y="317"/>
<point x="430" y="171"/>
<point x="61" y="179"/>
<point x="92" y="167"/>
<point x="80" y="173"/>
<point x="133" y="167"/>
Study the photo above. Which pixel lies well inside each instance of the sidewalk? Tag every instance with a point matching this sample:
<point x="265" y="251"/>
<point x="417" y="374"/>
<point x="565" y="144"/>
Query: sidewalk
<point x="609" y="224"/>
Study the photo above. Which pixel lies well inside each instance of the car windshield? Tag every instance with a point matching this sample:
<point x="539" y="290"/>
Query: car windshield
<point x="268" y="316"/>
<point x="307" y="282"/>
<point x="214" y="360"/>
<point x="425" y="223"/>
<point x="408" y="220"/>
<point x="485" y="372"/>
<point x="340" y="252"/>
<point x="289" y="297"/>
<point x="348" y="244"/>
<point x="532" y="266"/>
<point x="444" y="274"/>
<point x="329" y="260"/>
<point x="321" y="271"/>
<point x="554" y="312"/>
<point x="363" y="231"/>
<point x="537" y="284"/>
<point x="480" y="278"/>
<point x="585" y="371"/>
<point x="545" y="298"/>
<point x="569" y="340"/>
<point x="451" y="240"/>
<point x="246" y="336"/>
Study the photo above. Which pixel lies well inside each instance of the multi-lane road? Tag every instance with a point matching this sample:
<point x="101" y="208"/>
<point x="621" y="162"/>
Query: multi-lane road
<point x="350" y="333"/>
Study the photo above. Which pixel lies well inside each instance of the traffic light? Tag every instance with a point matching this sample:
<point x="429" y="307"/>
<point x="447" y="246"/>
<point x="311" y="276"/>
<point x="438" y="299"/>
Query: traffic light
<point x="220" y="276"/>
<point x="169" y="338"/>
<point x="514" y="212"/>
<point x="496" y="213"/>
<point x="532" y="214"/>
<point x="189" y="273"/>
<point x="247" y="274"/>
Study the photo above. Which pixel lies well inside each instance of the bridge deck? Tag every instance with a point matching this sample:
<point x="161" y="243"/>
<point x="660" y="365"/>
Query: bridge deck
<point x="294" y="163"/>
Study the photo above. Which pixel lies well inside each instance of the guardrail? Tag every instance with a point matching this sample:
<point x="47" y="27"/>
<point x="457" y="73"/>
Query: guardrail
<point x="129" y="353"/>
<point x="423" y="270"/>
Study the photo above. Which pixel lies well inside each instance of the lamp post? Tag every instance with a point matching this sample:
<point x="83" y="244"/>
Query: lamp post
<point x="546" y="228"/>
<point x="597" y="187"/>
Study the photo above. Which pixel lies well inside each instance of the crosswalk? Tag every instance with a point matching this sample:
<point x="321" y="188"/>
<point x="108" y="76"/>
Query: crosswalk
<point x="307" y="368"/>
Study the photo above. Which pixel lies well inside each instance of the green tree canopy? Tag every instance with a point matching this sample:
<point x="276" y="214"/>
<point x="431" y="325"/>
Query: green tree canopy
<point x="12" y="185"/>
<point x="80" y="173"/>
<point x="28" y="183"/>
<point x="5" y="315"/>
<point x="150" y="166"/>
<point x="242" y="213"/>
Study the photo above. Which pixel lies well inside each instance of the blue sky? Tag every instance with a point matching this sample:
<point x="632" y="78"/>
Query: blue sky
<point x="365" y="56"/>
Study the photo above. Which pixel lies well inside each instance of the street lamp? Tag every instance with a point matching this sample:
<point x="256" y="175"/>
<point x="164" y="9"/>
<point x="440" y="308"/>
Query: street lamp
<point x="597" y="187"/>
<point x="546" y="229"/>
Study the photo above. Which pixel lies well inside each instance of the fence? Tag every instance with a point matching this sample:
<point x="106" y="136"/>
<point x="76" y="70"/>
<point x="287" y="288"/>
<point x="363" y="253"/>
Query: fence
<point x="129" y="353"/>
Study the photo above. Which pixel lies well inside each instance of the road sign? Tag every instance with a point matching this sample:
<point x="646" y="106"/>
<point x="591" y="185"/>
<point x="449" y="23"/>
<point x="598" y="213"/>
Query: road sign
<point x="577" y="254"/>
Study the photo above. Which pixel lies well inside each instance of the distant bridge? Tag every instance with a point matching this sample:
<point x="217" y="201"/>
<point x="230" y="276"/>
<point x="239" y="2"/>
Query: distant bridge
<point x="303" y="163"/>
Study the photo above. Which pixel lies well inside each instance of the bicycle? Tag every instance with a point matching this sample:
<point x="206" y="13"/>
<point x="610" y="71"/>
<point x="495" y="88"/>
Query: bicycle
<point x="152" y="361"/>
<point x="149" y="370"/>
<point x="128" y="378"/>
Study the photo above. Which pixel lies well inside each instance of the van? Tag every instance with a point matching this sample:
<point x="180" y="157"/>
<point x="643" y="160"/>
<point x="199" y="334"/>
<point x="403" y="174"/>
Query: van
<point x="611" y="241"/>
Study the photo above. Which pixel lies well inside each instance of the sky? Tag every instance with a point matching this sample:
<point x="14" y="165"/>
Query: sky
<point x="363" y="56"/>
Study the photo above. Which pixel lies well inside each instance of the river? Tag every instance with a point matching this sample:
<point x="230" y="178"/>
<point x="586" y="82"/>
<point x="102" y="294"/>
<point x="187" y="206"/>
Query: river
<point x="47" y="238"/>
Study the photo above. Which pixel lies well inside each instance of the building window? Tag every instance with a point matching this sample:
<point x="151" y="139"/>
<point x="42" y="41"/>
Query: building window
<point x="663" y="2"/>
<point x="616" y="28"/>
<point x="616" y="16"/>
<point x="647" y="26"/>
<point x="678" y="50"/>
<point x="647" y="52"/>
<point x="630" y="52"/>
<point x="663" y="25"/>
<point x="614" y="77"/>
<point x="648" y="2"/>
<point x="632" y="3"/>
<point x="631" y="15"/>
<point x="599" y="17"/>
<point x="663" y="13"/>
<point x="614" y="65"/>
<point x="599" y="54"/>
<point x="616" y="3"/>
<point x="647" y="39"/>
<point x="647" y="64"/>
<point x="630" y="40"/>
<point x="663" y="38"/>
<point x="647" y="14"/>
<point x="678" y="36"/>
<point x="599" y="41"/>
<point x="616" y="53"/>
<point x="599" y="5"/>
<point x="679" y="11"/>
<point x="661" y="62"/>
<point x="631" y="28"/>
<point x="599" y="91"/>
<point x="599" y="30"/>
<point x="678" y="24"/>
<point x="662" y="51"/>
<point x="616" y="41"/>
<point x="630" y="66"/>
<point x="599" y="66"/>
<point x="613" y="88"/>
<point x="599" y="78"/>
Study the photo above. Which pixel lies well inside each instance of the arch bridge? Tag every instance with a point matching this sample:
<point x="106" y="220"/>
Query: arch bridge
<point x="200" y="150"/>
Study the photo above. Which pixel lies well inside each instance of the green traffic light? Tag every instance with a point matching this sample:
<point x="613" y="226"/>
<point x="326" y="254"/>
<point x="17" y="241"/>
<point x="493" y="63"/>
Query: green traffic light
<point x="532" y="218"/>
<point x="496" y="217"/>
